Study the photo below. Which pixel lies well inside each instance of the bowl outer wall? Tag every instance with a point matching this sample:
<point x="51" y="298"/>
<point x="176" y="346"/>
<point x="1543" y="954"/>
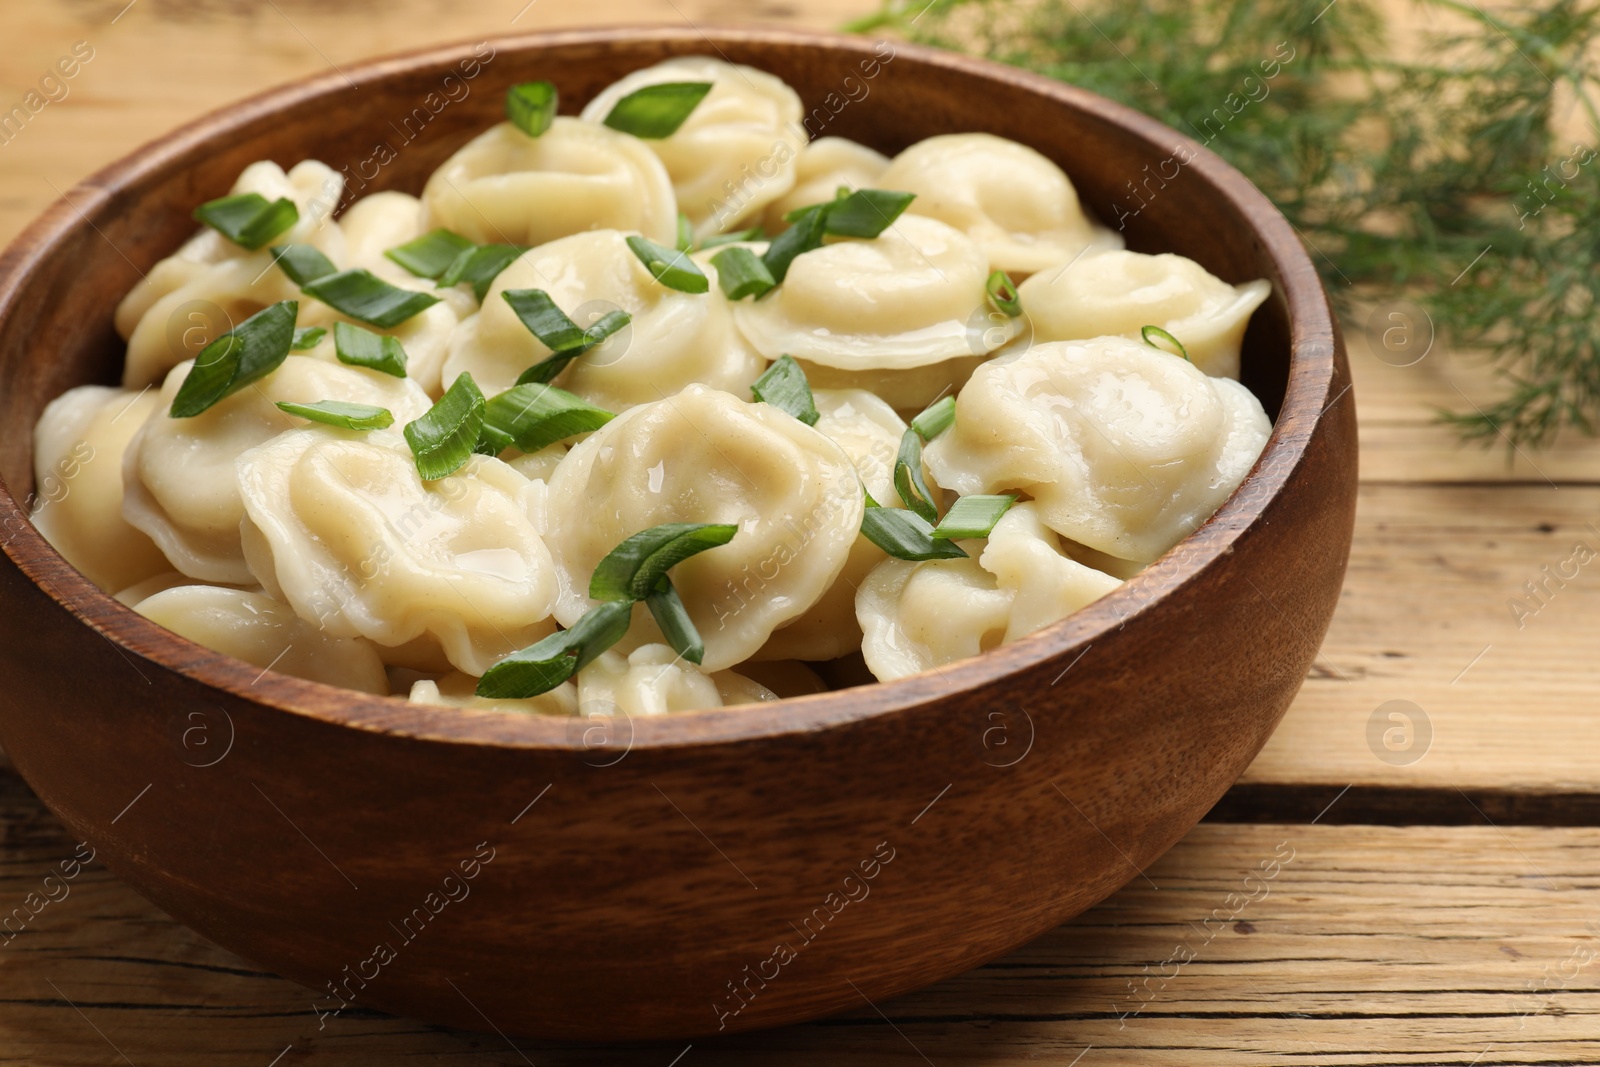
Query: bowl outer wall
<point x="300" y="825"/>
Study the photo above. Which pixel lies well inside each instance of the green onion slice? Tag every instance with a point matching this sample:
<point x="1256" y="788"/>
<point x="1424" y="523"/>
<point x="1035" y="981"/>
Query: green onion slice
<point x="973" y="516"/>
<point x="365" y="296"/>
<point x="363" y="348"/>
<point x="685" y="233"/>
<point x="906" y="535"/>
<point x="865" y="212"/>
<point x="908" y="480"/>
<point x="307" y="337"/>
<point x="754" y="233"/>
<point x="545" y="664"/>
<point x="565" y="338"/>
<point x="741" y="273"/>
<point x="657" y="111"/>
<point x="1003" y="294"/>
<point x="338" y="413"/>
<point x="249" y="219"/>
<point x="784" y="386"/>
<point x="671" y="267"/>
<point x="302" y="263"/>
<point x="673" y="618"/>
<point x="531" y="106"/>
<point x="479" y="266"/>
<point x="804" y="235"/>
<point x="631" y="570"/>
<point x="431" y="254"/>
<point x="935" y="419"/>
<point x="1151" y="334"/>
<point x="532" y="416"/>
<point x="446" y="435"/>
<point x="248" y="352"/>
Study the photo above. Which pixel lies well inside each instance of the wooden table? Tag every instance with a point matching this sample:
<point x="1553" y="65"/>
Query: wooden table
<point x="1439" y="906"/>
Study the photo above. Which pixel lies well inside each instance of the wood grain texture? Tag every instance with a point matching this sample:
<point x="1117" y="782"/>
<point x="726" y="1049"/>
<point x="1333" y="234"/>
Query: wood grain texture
<point x="1368" y="946"/>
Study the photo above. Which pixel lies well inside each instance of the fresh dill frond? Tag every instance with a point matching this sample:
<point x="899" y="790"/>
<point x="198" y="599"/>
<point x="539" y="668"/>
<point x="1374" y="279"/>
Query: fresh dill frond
<point x="1432" y="168"/>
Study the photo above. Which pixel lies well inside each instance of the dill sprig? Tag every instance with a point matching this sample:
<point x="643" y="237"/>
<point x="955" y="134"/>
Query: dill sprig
<point x="1441" y="169"/>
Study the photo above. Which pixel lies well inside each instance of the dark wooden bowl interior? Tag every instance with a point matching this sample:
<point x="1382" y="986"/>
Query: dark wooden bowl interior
<point x="1174" y="681"/>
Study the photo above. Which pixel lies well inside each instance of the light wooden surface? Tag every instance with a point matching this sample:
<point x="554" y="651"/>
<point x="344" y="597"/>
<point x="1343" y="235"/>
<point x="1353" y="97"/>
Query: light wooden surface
<point x="1476" y="943"/>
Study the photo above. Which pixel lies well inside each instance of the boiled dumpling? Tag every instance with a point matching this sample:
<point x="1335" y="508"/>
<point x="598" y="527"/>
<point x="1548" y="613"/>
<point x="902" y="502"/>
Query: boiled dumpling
<point x="868" y="312"/>
<point x="1020" y="207"/>
<point x="178" y="474"/>
<point x="824" y="166"/>
<point x="920" y="616"/>
<point x="344" y="529"/>
<point x="674" y="338"/>
<point x="259" y="630"/>
<point x="869" y="431"/>
<point x="457" y="690"/>
<point x="504" y="187"/>
<point x="1123" y="292"/>
<point x="1126" y="448"/>
<point x="211" y="285"/>
<point x="655" y="680"/>
<point x="736" y="151"/>
<point x="77" y="456"/>
<point x="708" y="456"/>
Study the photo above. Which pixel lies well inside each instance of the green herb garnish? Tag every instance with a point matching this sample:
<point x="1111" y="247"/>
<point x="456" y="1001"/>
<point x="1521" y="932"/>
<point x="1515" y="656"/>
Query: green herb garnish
<point x="531" y="106"/>
<point x="905" y="535"/>
<point x="936" y="418"/>
<point x="363" y="348"/>
<point x="565" y="338"/>
<point x="741" y="273"/>
<point x="302" y="263"/>
<point x="480" y="266"/>
<point x="671" y="267"/>
<point x="631" y="570"/>
<point x="545" y="664"/>
<point x="445" y="436"/>
<point x="803" y="235"/>
<point x="685" y="233"/>
<point x="666" y="607"/>
<point x="865" y="212"/>
<point x="307" y="337"/>
<point x="973" y="516"/>
<point x="1152" y="334"/>
<point x="365" y="296"/>
<point x="754" y="233"/>
<point x="657" y="111"/>
<point x="532" y="416"/>
<point x="908" y="479"/>
<point x="248" y="352"/>
<point x="249" y="219"/>
<point x="431" y="254"/>
<point x="784" y="386"/>
<point x="338" y="413"/>
<point x="1003" y="294"/>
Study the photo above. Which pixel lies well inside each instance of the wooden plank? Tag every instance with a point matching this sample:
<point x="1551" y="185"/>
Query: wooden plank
<point x="1349" y="945"/>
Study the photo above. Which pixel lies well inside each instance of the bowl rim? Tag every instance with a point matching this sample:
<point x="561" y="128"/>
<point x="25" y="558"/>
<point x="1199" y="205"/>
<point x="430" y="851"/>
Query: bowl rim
<point x="1313" y="369"/>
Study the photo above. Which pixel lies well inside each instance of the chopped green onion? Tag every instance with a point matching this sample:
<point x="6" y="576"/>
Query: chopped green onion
<point x="545" y="664"/>
<point x="784" y="386"/>
<point x="804" y="235"/>
<point x="935" y="419"/>
<point x="339" y="413"/>
<point x="547" y="369"/>
<point x="302" y="263"/>
<point x="307" y="337"/>
<point x="445" y="436"/>
<point x="565" y="338"/>
<point x="431" y="254"/>
<point x="248" y="352"/>
<point x="249" y="219"/>
<point x="672" y="268"/>
<point x="685" y="233"/>
<point x="657" y="111"/>
<point x="865" y="212"/>
<point x="908" y="480"/>
<point x="1003" y="294"/>
<point x="363" y="348"/>
<point x="973" y="516"/>
<point x="906" y="535"/>
<point x="754" y="233"/>
<point x="533" y="416"/>
<point x="741" y="273"/>
<point x="631" y="570"/>
<point x="673" y="618"/>
<point x="365" y="296"/>
<point x="479" y="266"/>
<point x="1149" y="332"/>
<point x="531" y="106"/>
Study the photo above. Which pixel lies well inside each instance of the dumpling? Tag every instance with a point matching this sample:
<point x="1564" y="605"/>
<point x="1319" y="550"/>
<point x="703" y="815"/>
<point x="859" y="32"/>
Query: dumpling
<point x="1126" y="449"/>
<point x="1020" y="207"/>
<point x="707" y="456"/>
<point x="457" y="690"/>
<point x="259" y="630"/>
<point x="873" y="311"/>
<point x="78" y="446"/>
<point x="674" y="339"/>
<point x="869" y="431"/>
<point x="824" y="165"/>
<point x="736" y="151"/>
<point x="180" y="486"/>
<point x="211" y="285"/>
<point x="1122" y="292"/>
<point x="920" y="616"/>
<point x="504" y="187"/>
<point x="655" y="680"/>
<point x="342" y="527"/>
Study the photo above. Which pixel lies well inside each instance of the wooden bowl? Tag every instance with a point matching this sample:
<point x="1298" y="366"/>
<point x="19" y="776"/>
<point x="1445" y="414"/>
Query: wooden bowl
<point x="719" y="870"/>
